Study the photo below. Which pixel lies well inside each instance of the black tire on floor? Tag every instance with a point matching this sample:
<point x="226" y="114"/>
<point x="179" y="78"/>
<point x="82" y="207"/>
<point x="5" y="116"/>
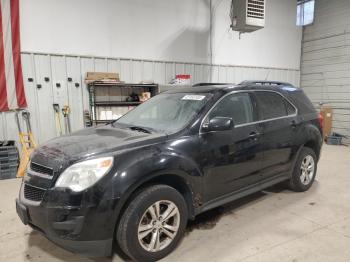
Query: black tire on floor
<point x="295" y="182"/>
<point x="127" y="231"/>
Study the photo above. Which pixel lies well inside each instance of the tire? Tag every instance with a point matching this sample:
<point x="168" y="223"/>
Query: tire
<point x="302" y="179"/>
<point x="139" y="217"/>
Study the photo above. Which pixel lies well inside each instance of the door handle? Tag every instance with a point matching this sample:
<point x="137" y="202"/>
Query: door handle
<point x="254" y="135"/>
<point x="293" y="124"/>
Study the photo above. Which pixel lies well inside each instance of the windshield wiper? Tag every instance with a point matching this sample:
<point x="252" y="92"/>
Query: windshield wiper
<point x="140" y="129"/>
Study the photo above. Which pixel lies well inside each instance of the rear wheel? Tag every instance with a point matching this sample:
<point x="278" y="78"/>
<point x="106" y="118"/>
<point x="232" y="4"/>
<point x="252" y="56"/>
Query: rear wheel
<point x="153" y="223"/>
<point x="304" y="170"/>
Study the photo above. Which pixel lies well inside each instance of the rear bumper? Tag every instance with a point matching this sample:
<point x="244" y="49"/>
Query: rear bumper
<point x="86" y="229"/>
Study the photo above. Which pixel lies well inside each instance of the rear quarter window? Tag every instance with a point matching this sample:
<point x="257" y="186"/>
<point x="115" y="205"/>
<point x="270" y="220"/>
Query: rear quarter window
<point x="301" y="101"/>
<point x="290" y="108"/>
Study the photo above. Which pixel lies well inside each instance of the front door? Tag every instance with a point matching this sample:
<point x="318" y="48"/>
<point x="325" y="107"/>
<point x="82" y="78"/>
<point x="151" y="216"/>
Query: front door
<point x="231" y="159"/>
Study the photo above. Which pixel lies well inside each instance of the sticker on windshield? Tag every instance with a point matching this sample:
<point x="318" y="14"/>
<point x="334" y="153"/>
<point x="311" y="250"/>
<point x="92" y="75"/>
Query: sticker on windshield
<point x="193" y="97"/>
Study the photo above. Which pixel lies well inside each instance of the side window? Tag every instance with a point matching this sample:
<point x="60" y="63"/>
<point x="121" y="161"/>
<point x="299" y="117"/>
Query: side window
<point x="270" y="105"/>
<point x="237" y="106"/>
<point x="290" y="108"/>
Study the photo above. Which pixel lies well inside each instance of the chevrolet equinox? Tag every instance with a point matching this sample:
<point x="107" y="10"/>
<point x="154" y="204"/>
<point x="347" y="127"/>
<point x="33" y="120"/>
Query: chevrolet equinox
<point x="136" y="181"/>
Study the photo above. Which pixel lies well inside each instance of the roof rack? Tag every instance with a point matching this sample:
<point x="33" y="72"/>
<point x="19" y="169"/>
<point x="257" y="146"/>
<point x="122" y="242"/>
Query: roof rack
<point x="259" y="82"/>
<point x="210" y="84"/>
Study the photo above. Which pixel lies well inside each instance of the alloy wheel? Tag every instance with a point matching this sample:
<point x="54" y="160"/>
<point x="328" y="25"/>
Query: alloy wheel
<point x="158" y="226"/>
<point x="307" y="170"/>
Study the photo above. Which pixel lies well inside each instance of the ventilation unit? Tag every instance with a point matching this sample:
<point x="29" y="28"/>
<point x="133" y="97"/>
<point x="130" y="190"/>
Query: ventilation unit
<point x="247" y="15"/>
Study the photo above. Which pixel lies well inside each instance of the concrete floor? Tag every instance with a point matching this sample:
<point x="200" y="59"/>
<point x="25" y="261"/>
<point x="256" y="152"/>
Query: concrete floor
<point x="274" y="225"/>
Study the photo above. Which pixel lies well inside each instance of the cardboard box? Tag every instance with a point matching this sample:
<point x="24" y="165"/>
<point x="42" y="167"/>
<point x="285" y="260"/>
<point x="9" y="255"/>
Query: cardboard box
<point x="144" y="96"/>
<point x="100" y="76"/>
<point x="327" y="114"/>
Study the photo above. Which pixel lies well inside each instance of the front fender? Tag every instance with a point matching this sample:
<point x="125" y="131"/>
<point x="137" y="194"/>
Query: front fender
<point x="136" y="168"/>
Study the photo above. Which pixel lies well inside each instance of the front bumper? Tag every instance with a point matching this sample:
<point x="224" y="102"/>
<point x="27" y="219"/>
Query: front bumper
<point x="86" y="228"/>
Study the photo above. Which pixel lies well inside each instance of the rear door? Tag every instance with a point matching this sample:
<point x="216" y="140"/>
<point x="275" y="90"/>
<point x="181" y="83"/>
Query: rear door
<point x="278" y="121"/>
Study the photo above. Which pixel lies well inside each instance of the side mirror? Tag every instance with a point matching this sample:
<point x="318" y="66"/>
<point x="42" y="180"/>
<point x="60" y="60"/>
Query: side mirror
<point x="218" y="124"/>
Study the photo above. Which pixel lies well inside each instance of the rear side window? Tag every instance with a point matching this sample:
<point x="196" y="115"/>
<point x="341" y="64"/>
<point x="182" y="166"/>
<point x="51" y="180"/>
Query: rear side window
<point x="272" y="105"/>
<point x="237" y="106"/>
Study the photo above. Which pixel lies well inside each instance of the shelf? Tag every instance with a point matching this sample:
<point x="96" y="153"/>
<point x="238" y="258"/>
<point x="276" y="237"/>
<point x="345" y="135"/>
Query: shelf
<point x="126" y="89"/>
<point x="116" y="103"/>
<point x="103" y="121"/>
<point x="97" y="83"/>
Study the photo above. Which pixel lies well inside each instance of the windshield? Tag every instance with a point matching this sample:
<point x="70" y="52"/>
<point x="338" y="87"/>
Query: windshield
<point x="166" y="112"/>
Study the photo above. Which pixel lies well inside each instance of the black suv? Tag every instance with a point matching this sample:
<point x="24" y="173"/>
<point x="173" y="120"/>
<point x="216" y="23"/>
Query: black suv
<point x="137" y="180"/>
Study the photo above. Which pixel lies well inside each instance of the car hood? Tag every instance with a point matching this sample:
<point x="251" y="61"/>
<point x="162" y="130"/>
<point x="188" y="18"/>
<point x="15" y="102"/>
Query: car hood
<point x="90" y="142"/>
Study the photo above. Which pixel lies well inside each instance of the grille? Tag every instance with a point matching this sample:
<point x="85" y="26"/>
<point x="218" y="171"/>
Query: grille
<point x="33" y="193"/>
<point x="256" y="9"/>
<point x="41" y="169"/>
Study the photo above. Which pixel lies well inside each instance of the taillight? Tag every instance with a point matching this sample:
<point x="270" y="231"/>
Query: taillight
<point x="320" y="120"/>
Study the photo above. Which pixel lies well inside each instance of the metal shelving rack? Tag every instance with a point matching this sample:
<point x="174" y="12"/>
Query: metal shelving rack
<point x="135" y="88"/>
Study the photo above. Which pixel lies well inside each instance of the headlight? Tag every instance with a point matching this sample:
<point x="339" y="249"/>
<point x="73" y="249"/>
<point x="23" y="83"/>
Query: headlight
<point x="80" y="176"/>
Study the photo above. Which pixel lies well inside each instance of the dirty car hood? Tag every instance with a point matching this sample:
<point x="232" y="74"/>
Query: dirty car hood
<point x="89" y="142"/>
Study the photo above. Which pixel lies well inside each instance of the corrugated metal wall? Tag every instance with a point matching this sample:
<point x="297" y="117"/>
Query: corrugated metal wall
<point x="325" y="67"/>
<point x="58" y="68"/>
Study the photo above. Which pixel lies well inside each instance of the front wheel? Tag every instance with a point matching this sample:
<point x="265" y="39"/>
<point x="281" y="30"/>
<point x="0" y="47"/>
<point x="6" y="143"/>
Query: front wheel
<point x="304" y="170"/>
<point x="153" y="223"/>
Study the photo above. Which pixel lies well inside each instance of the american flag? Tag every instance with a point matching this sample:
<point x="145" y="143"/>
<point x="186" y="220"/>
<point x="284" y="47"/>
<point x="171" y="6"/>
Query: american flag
<point x="12" y="94"/>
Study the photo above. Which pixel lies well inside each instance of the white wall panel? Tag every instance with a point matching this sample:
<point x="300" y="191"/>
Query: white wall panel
<point x="136" y="71"/>
<point x="113" y="65"/>
<point x="3" y="132"/>
<point x="28" y="70"/>
<point x="170" y="71"/>
<point x="126" y="73"/>
<point x="206" y="74"/>
<point x="86" y="65"/>
<point x="160" y="29"/>
<point x="159" y="72"/>
<point x="45" y="97"/>
<point x="100" y="64"/>
<point x="325" y="66"/>
<point x="148" y="71"/>
<point x="58" y="68"/>
<point x="215" y="74"/>
<point x="59" y="87"/>
<point x="75" y="92"/>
